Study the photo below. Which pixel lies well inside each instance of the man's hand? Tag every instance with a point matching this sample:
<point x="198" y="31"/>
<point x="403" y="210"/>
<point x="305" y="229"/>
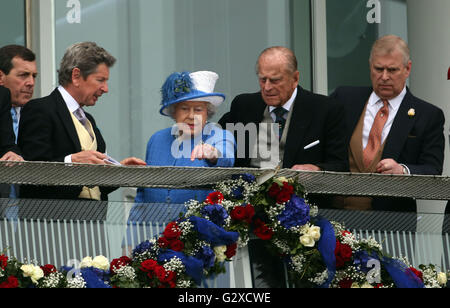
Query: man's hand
<point x="205" y="151"/>
<point x="307" y="167"/>
<point x="389" y="166"/>
<point x="11" y="156"/>
<point x="89" y="157"/>
<point x="133" y="161"/>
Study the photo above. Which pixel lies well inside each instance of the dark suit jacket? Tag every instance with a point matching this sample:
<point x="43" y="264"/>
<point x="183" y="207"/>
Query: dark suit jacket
<point x="314" y="117"/>
<point x="417" y="142"/>
<point x="47" y="133"/>
<point x="7" y="137"/>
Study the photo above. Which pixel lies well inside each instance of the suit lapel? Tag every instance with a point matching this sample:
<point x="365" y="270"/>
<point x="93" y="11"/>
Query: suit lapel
<point x="257" y="115"/>
<point x="65" y="117"/>
<point x="301" y="117"/>
<point x="400" y="129"/>
<point x="356" y="106"/>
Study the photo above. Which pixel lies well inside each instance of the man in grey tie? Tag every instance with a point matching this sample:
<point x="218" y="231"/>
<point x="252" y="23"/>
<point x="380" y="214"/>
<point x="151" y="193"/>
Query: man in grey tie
<point x="51" y="128"/>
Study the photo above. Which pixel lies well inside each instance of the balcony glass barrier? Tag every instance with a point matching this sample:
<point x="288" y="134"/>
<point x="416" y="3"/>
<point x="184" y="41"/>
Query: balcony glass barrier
<point x="62" y="232"/>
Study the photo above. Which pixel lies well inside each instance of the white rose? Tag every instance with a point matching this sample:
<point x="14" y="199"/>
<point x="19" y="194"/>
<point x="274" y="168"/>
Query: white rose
<point x="219" y="251"/>
<point x="34" y="272"/>
<point x="86" y="262"/>
<point x="282" y="180"/>
<point x="314" y="232"/>
<point x="366" y="285"/>
<point x="442" y="278"/>
<point x="100" y="262"/>
<point x="307" y="240"/>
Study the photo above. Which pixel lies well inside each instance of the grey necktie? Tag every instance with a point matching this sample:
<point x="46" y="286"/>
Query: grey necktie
<point x="81" y="116"/>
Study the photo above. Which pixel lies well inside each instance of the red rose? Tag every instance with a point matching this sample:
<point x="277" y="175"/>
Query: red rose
<point x="345" y="283"/>
<point x="215" y="198"/>
<point x="172" y="231"/>
<point x="160" y="272"/>
<point x="250" y="210"/>
<point x="231" y="250"/>
<point x="416" y="272"/>
<point x="238" y="213"/>
<point x="48" y="269"/>
<point x="274" y="190"/>
<point x="283" y="197"/>
<point x="176" y="245"/>
<point x="3" y="261"/>
<point x="243" y="213"/>
<point x="343" y="253"/>
<point x="148" y="265"/>
<point x="262" y="231"/>
<point x="170" y="277"/>
<point x="163" y="242"/>
<point x="10" y="283"/>
<point x="118" y="263"/>
<point x="288" y="188"/>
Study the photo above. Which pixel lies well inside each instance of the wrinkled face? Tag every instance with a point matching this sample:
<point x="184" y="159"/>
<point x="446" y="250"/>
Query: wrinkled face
<point x="20" y="81"/>
<point x="191" y="117"/>
<point x="389" y="74"/>
<point x="277" y="83"/>
<point x="89" y="90"/>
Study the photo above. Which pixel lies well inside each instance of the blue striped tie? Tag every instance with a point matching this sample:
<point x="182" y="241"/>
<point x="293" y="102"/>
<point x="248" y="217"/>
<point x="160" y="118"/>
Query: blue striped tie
<point x="15" y="119"/>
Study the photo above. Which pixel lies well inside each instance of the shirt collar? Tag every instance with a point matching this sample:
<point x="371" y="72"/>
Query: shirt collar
<point x="18" y="110"/>
<point x="289" y="103"/>
<point x="393" y="103"/>
<point x="68" y="99"/>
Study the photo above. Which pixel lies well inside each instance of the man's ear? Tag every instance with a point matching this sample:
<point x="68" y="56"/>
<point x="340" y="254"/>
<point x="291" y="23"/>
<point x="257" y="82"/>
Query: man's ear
<point x="76" y="76"/>
<point x="2" y="78"/>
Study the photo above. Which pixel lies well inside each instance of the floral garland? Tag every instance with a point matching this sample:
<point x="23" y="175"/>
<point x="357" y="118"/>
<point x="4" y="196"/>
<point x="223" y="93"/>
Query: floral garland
<point x="318" y="253"/>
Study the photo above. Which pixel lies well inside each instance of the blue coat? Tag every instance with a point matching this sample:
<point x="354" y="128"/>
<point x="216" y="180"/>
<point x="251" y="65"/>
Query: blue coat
<point x="164" y="150"/>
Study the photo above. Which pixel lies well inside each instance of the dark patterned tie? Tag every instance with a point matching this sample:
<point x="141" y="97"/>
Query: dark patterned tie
<point x="279" y="119"/>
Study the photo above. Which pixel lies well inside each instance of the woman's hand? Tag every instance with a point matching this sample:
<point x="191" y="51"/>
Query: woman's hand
<point x="205" y="151"/>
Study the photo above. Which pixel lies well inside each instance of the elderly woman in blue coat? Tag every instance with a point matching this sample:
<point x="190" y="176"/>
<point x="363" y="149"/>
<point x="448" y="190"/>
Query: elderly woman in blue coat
<point x="188" y="98"/>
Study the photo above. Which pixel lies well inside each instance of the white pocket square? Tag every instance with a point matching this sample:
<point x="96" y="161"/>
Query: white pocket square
<point x="311" y="145"/>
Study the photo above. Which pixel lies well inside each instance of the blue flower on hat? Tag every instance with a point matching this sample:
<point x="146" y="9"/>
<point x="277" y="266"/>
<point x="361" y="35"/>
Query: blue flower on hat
<point x="185" y="86"/>
<point x="176" y="86"/>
